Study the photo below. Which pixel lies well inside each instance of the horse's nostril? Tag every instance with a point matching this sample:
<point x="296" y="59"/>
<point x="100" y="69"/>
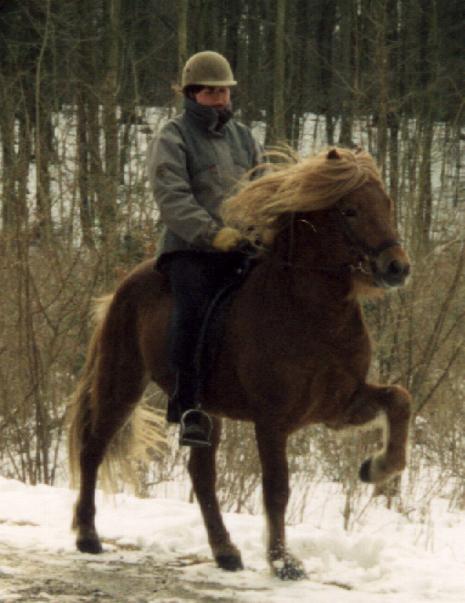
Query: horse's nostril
<point x="396" y="272"/>
<point x="395" y="267"/>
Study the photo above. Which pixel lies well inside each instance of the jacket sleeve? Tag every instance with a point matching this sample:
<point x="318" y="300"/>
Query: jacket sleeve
<point x="171" y="186"/>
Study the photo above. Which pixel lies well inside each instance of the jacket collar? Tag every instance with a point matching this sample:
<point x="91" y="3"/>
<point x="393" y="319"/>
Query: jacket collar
<point x="207" y="117"/>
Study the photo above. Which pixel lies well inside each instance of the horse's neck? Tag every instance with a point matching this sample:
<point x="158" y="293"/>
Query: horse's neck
<point x="305" y="288"/>
<point x="314" y="259"/>
<point x="312" y="244"/>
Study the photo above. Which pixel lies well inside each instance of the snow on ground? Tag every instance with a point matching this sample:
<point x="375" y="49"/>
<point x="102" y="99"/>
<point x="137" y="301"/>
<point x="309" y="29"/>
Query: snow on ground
<point x="386" y="558"/>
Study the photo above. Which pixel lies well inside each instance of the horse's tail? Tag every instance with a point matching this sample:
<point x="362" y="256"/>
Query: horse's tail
<point x="135" y="439"/>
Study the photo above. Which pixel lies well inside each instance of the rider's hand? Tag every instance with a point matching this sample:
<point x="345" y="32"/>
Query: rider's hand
<point x="227" y="238"/>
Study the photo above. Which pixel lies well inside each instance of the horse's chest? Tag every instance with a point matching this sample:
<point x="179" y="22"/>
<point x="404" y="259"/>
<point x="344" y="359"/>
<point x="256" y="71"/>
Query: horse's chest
<point x="317" y="336"/>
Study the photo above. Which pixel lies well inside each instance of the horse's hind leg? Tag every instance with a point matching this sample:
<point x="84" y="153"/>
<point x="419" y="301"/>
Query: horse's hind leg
<point x="90" y="457"/>
<point x="272" y="450"/>
<point x="115" y="401"/>
<point x="395" y="403"/>
<point x="202" y="469"/>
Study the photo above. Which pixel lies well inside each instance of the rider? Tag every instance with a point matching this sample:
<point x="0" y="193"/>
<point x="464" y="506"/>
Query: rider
<point x="194" y="164"/>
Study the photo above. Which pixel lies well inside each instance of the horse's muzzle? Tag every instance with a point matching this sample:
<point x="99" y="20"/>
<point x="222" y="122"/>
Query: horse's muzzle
<point x="391" y="267"/>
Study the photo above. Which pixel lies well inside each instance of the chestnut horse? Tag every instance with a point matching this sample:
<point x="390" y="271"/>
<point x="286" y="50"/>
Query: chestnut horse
<point x="294" y="350"/>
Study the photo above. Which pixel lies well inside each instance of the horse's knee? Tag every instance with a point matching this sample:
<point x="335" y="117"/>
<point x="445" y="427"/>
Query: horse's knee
<point x="398" y="403"/>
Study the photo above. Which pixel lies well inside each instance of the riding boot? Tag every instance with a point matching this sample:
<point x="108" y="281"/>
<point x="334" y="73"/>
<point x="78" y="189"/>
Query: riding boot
<point x="183" y="396"/>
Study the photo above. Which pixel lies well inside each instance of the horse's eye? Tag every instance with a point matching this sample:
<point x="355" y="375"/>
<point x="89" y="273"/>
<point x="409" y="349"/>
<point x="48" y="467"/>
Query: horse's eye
<point x="349" y="212"/>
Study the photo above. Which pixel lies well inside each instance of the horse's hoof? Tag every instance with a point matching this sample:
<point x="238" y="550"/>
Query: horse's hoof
<point x="365" y="471"/>
<point x="375" y="471"/>
<point x="89" y="545"/>
<point x="230" y="563"/>
<point x="288" y="568"/>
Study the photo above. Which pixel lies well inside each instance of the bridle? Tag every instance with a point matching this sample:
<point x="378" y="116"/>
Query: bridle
<point x="365" y="253"/>
<point x="368" y="250"/>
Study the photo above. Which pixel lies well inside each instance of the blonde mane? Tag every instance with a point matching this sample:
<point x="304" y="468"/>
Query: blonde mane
<point x="305" y="185"/>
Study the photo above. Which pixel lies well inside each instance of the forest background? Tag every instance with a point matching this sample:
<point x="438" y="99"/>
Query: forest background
<point x="85" y="84"/>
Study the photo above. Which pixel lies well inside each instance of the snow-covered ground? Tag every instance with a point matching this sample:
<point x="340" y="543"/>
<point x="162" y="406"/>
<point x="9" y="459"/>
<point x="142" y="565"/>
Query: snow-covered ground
<point x="385" y="558"/>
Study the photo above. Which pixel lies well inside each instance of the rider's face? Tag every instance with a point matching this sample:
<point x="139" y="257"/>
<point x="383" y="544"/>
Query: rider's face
<point x="217" y="97"/>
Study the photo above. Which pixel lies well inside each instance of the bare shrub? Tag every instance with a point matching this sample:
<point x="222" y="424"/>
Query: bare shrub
<point x="43" y="307"/>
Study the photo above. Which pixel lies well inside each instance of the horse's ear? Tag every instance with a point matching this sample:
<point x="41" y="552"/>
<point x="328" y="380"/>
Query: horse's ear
<point x="333" y="154"/>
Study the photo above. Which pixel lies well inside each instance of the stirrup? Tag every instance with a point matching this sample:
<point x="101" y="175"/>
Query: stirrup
<point x="195" y="429"/>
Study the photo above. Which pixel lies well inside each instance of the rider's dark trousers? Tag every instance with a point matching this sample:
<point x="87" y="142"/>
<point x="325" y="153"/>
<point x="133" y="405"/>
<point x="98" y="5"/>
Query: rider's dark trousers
<point x="195" y="279"/>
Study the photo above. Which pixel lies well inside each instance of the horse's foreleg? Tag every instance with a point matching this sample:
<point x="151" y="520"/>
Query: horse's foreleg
<point x="395" y="403"/>
<point x="272" y="450"/>
<point x="202" y="469"/>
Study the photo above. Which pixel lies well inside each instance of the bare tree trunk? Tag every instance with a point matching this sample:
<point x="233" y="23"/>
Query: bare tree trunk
<point x="425" y="197"/>
<point x="22" y="171"/>
<point x="42" y="142"/>
<point x="394" y="100"/>
<point x="428" y="99"/>
<point x="381" y="66"/>
<point x="7" y="127"/>
<point x="325" y="52"/>
<point x="278" y="127"/>
<point x="85" y="198"/>
<point x="182" y="12"/>
<point x="251" y="63"/>
<point x="393" y="123"/>
<point x="96" y="181"/>
<point x="346" y="72"/>
<point x="457" y="163"/>
<point x="108" y="209"/>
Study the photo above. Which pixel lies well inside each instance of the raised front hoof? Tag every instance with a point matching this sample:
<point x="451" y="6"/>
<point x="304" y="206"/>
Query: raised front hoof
<point x="89" y="544"/>
<point x="288" y="568"/>
<point x="230" y="563"/>
<point x="375" y="470"/>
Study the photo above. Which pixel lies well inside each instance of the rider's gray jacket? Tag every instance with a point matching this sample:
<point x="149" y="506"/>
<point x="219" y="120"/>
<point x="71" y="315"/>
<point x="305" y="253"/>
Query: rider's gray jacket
<point x="193" y="165"/>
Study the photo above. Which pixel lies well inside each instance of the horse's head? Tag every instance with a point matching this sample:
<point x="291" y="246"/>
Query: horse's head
<point x="365" y="218"/>
<point x="340" y="196"/>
